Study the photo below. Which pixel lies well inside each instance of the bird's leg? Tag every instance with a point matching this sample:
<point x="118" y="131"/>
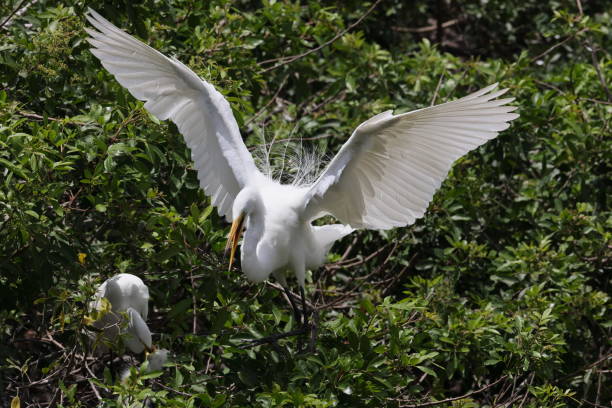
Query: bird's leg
<point x="313" y="331"/>
<point x="304" y="310"/>
<point x="310" y="323"/>
<point x="300" y="318"/>
<point x="296" y="311"/>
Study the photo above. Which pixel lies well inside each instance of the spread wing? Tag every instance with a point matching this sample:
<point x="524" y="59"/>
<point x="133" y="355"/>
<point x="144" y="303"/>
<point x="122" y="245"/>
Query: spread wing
<point x="386" y="174"/>
<point x="173" y="91"/>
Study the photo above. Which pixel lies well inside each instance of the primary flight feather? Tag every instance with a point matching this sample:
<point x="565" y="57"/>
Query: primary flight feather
<point x="384" y="176"/>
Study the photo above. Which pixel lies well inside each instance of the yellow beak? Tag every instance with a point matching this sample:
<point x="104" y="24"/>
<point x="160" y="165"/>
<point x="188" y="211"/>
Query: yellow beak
<point x="233" y="238"/>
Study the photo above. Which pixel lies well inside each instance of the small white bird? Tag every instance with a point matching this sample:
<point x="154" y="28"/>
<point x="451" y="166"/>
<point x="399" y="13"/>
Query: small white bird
<point x="155" y="362"/>
<point x="129" y="296"/>
<point x="384" y="176"/>
<point x="157" y="359"/>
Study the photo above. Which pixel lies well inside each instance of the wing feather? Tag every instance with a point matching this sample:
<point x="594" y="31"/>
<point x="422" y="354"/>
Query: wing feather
<point x="172" y="91"/>
<point x="388" y="171"/>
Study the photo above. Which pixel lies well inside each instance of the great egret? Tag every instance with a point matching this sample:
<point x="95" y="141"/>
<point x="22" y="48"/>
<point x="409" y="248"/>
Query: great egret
<point x="384" y="176"/>
<point x="155" y="362"/>
<point x="129" y="296"/>
<point x="157" y="359"/>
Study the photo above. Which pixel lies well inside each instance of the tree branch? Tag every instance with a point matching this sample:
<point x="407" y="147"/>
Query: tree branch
<point x="600" y="75"/>
<point x="425" y="29"/>
<point x="273" y="338"/>
<point x="293" y="58"/>
<point x="15" y="11"/>
<point x="444" y="401"/>
<point x="557" y="45"/>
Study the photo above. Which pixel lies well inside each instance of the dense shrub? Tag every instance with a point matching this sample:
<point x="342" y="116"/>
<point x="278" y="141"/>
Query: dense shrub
<point x="498" y="297"/>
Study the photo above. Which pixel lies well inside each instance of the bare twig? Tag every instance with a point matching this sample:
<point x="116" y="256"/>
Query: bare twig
<point x="603" y="359"/>
<point x="210" y="355"/>
<point x="549" y="86"/>
<point x="399" y="276"/>
<point x="349" y="263"/>
<point x="360" y="280"/>
<point x="293" y="58"/>
<point x="15" y="11"/>
<point x="349" y="248"/>
<point x="194" y="322"/>
<point x="596" y="101"/>
<point x="282" y="289"/>
<point x="313" y="332"/>
<point x="36" y="116"/>
<point x="444" y="401"/>
<point x="505" y="388"/>
<point x="337" y="96"/>
<point x="260" y="111"/>
<point x="600" y="75"/>
<point x="579" y="5"/>
<point x="91" y="384"/>
<point x="557" y="45"/>
<point x="435" y="95"/>
<point x="165" y="387"/>
<point x="527" y="390"/>
<point x="593" y="404"/>
<point x="557" y="89"/>
<point x="426" y="29"/>
<point x="273" y="338"/>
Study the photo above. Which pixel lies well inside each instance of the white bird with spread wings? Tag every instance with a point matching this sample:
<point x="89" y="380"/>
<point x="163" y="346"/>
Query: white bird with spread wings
<point x="383" y="177"/>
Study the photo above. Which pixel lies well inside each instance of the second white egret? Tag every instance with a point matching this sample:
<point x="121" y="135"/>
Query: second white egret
<point x="127" y="295"/>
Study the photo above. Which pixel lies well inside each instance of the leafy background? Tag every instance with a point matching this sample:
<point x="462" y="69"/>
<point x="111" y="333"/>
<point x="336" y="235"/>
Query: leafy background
<point x="498" y="297"/>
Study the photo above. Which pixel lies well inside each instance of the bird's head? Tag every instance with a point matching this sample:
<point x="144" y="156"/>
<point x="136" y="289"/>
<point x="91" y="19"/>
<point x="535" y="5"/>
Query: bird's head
<point x="246" y="204"/>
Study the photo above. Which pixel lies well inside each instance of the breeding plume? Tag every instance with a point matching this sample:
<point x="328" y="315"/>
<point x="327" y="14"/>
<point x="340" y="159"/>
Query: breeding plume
<point x="384" y="176"/>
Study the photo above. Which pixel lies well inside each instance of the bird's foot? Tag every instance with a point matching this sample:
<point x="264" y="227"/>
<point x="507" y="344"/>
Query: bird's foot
<point x="310" y="324"/>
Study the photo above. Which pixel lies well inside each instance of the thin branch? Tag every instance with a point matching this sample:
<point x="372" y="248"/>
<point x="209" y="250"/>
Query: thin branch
<point x="579" y="5"/>
<point x="549" y="86"/>
<point x="469" y="394"/>
<point x="435" y="95"/>
<point x="584" y="368"/>
<point x="527" y="390"/>
<point x="557" y="45"/>
<point x="293" y="58"/>
<point x="349" y="263"/>
<point x="165" y="387"/>
<point x="36" y="116"/>
<point x="194" y="322"/>
<point x="349" y="248"/>
<point x="282" y="289"/>
<point x="260" y="111"/>
<point x="554" y="88"/>
<point x="600" y="75"/>
<point x="360" y="280"/>
<point x="505" y="388"/>
<point x="425" y="29"/>
<point x="593" y="404"/>
<point x="387" y="290"/>
<point x="91" y="384"/>
<point x="273" y="338"/>
<point x="15" y="11"/>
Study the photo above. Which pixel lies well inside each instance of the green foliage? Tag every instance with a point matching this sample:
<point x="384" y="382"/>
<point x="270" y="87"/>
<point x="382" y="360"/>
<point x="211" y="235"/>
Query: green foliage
<point x="505" y="282"/>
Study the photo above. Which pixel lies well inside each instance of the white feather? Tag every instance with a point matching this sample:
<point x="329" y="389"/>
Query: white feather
<point x="171" y="90"/>
<point x="410" y="154"/>
<point x="127" y="294"/>
<point x="384" y="176"/>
